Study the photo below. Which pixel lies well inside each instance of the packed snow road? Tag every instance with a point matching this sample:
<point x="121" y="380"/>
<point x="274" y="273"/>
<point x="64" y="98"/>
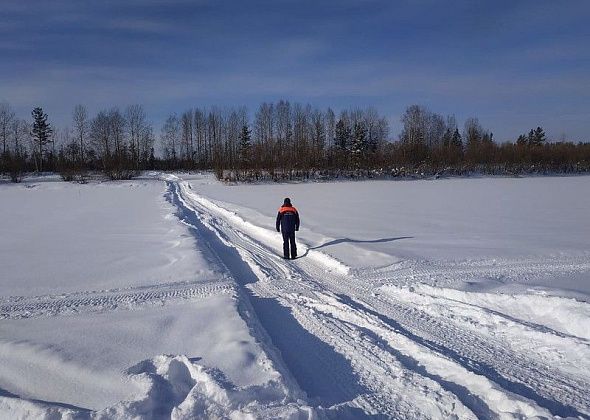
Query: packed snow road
<point x="365" y="343"/>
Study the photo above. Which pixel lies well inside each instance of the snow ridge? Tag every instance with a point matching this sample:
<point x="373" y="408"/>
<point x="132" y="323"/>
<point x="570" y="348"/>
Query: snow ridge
<point x="178" y="388"/>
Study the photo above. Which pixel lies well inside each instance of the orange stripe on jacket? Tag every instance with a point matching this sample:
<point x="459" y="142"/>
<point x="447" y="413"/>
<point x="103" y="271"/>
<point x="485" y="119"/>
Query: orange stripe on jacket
<point x="284" y="209"/>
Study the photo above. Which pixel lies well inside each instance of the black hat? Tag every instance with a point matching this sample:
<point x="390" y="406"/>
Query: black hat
<point x="287" y="202"/>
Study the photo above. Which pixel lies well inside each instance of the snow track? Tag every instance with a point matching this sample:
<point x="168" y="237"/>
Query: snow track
<point x="109" y="300"/>
<point x="362" y="343"/>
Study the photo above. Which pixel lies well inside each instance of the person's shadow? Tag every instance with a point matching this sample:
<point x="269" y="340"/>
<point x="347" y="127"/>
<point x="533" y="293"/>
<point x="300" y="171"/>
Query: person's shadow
<point x="355" y="241"/>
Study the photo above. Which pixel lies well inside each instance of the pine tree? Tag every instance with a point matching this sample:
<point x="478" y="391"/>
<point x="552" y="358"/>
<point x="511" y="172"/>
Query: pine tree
<point x="456" y="147"/>
<point x="41" y="134"/>
<point x="531" y="137"/>
<point x="457" y="141"/>
<point x="538" y="137"/>
<point x="245" y="143"/>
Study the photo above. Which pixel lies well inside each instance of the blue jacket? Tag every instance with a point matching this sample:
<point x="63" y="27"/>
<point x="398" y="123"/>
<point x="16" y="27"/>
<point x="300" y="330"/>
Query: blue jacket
<point x="288" y="219"/>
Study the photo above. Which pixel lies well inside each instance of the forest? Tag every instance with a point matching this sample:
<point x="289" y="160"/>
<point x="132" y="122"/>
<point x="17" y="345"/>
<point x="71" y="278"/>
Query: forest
<point x="283" y="141"/>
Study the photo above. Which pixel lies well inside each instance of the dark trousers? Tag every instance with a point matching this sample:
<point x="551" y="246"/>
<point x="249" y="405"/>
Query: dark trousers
<point x="289" y="238"/>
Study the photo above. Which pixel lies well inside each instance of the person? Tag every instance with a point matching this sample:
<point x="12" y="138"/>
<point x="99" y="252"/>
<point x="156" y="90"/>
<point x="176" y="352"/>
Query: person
<point x="288" y="224"/>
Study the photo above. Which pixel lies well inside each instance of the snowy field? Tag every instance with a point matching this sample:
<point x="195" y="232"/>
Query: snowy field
<point x="167" y="297"/>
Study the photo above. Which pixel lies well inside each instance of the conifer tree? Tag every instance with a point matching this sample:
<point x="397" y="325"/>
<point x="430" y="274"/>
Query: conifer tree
<point x="538" y="137"/>
<point x="447" y="139"/>
<point x="41" y="134"/>
<point x="457" y="141"/>
<point x="531" y="137"/>
<point x="245" y="143"/>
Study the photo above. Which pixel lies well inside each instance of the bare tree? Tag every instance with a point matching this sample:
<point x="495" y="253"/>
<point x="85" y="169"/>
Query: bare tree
<point x="170" y="139"/>
<point x="264" y="133"/>
<point x="330" y="128"/>
<point x="6" y="118"/>
<point x="318" y="137"/>
<point x="300" y="135"/>
<point x="473" y="131"/>
<point x="100" y="135"/>
<point x="117" y="125"/>
<point x="414" y="123"/>
<point x="215" y="124"/>
<point x="81" y="127"/>
<point x="200" y="137"/>
<point x="186" y="124"/>
<point x="137" y="129"/>
<point x="146" y="146"/>
<point x="435" y="129"/>
<point x="234" y="124"/>
<point x="20" y="133"/>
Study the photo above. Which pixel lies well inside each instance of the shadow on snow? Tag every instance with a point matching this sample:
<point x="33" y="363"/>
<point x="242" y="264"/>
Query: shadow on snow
<point x="355" y="241"/>
<point x="79" y="412"/>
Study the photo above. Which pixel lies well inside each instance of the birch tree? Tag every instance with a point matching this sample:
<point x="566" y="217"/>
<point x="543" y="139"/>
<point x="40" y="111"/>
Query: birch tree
<point x="81" y="128"/>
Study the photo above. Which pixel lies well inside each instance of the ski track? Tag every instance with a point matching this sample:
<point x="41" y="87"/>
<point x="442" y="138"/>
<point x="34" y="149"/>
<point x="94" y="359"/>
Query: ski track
<point x="377" y="354"/>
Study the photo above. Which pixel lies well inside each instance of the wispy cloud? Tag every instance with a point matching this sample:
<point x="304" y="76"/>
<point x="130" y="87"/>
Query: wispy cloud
<point x="510" y="63"/>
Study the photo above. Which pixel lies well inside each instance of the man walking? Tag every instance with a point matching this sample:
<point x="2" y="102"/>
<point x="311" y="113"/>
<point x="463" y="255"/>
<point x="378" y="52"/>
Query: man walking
<point x="288" y="223"/>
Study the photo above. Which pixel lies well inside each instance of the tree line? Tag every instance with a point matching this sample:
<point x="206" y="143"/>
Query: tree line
<point x="283" y="141"/>
<point x="118" y="143"/>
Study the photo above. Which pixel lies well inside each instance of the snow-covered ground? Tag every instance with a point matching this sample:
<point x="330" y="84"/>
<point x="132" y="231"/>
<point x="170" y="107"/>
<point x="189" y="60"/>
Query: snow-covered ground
<point x="457" y="222"/>
<point x="167" y="297"/>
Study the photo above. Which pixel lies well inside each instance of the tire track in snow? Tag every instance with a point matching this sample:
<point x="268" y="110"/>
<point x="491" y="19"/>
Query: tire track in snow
<point x="520" y="373"/>
<point x="536" y="384"/>
<point x="562" y="394"/>
<point x="498" y="270"/>
<point x="19" y="307"/>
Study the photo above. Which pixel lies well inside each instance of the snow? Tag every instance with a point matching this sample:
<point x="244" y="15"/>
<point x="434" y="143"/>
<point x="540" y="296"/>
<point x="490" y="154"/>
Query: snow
<point x="167" y="297"/>
<point x="116" y="232"/>
<point x="106" y="278"/>
<point x="368" y="224"/>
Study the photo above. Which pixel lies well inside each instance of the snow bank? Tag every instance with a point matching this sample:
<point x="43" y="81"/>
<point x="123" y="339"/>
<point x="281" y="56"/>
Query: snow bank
<point x="176" y="387"/>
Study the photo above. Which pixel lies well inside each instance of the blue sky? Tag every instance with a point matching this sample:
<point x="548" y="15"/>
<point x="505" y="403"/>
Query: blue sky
<point x="513" y="64"/>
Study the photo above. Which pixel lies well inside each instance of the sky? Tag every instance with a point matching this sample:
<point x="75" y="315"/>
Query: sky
<point x="513" y="64"/>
